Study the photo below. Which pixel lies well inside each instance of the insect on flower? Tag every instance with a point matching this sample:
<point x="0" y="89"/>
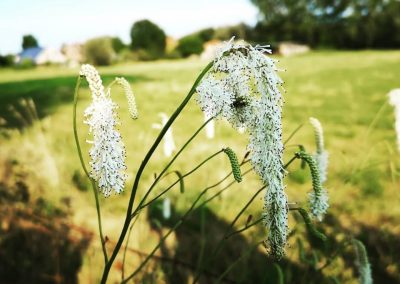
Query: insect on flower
<point x="244" y="88"/>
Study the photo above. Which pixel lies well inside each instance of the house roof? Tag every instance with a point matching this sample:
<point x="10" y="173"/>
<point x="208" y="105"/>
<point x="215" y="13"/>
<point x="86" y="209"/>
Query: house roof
<point x="30" y="53"/>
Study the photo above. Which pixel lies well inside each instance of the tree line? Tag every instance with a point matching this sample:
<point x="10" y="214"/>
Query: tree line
<point x="345" y="24"/>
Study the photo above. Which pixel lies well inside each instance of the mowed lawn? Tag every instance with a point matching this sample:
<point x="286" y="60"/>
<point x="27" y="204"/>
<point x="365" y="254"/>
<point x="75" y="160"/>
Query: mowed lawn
<point x="346" y="91"/>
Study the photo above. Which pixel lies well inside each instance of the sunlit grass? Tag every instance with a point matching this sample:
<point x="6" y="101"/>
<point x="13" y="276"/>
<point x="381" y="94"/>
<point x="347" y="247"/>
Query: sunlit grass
<point x="346" y="91"/>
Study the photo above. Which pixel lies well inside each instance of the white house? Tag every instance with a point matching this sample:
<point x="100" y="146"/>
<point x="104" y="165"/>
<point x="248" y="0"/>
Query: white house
<point x="40" y="56"/>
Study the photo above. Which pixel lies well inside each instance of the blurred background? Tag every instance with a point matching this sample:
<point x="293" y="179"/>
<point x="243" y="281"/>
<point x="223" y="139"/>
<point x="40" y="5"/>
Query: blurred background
<point x="340" y="58"/>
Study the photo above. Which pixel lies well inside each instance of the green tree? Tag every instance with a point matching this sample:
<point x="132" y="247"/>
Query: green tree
<point x="117" y="44"/>
<point x="149" y="37"/>
<point x="336" y="23"/>
<point x="29" y="41"/>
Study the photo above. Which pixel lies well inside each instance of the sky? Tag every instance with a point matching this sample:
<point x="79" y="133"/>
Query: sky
<point x="54" y="22"/>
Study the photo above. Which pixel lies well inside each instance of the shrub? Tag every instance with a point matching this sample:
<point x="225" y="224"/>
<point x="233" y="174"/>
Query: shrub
<point x="26" y="63"/>
<point x="190" y="45"/>
<point x="147" y="36"/>
<point x="99" y="51"/>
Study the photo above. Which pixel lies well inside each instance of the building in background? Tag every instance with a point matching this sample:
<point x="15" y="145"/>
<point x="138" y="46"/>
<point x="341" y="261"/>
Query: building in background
<point x="40" y="56"/>
<point x="73" y="54"/>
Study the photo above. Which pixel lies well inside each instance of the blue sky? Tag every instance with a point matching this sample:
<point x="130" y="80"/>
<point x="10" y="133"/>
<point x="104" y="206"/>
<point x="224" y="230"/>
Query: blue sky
<point x="54" y="22"/>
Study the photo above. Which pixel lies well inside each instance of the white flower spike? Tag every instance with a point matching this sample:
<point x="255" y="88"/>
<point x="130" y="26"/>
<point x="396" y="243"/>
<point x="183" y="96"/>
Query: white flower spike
<point x="243" y="87"/>
<point x="108" y="151"/>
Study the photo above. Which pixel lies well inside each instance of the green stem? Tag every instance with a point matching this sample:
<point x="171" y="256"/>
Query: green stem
<point x="293" y="133"/>
<point x="219" y="245"/>
<point x="230" y="267"/>
<point x="290" y="161"/>
<point x="186" y="214"/>
<point x="140" y="207"/>
<point x="221" y="241"/>
<point x="180" y="221"/>
<point x="171" y="162"/>
<point x="245" y="228"/>
<point x="126" y="249"/>
<point x="224" y="188"/>
<point x="142" y="167"/>
<point x="95" y="192"/>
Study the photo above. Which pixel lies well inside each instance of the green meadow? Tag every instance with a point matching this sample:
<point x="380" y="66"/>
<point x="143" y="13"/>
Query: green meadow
<point x="346" y="91"/>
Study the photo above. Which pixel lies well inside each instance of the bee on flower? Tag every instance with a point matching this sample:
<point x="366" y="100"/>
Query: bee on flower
<point x="243" y="87"/>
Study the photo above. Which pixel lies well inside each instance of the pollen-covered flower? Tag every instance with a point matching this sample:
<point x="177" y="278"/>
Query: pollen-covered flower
<point x="213" y="98"/>
<point x="93" y="78"/>
<point x="108" y="151"/>
<point x="321" y="155"/>
<point x="243" y="87"/>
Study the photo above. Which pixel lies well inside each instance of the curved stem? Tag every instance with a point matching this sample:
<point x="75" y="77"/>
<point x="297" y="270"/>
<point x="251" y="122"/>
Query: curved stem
<point x="224" y="188"/>
<point x="237" y="261"/>
<point x="245" y="228"/>
<point x="293" y="133"/>
<point x="142" y="167"/>
<point x="221" y="241"/>
<point x="192" y="208"/>
<point x="177" y="224"/>
<point x="126" y="249"/>
<point x="140" y="207"/>
<point x="95" y="192"/>
<point x="181" y="220"/>
<point x="290" y="161"/>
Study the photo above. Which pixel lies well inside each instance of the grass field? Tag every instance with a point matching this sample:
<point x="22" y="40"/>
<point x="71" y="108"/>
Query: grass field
<point x="346" y="91"/>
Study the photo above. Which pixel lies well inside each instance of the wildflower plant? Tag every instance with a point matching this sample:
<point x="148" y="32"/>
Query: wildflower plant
<point x="242" y="86"/>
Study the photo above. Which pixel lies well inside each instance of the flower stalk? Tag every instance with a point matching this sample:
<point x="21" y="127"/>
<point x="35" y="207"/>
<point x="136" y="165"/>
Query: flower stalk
<point x="94" y="188"/>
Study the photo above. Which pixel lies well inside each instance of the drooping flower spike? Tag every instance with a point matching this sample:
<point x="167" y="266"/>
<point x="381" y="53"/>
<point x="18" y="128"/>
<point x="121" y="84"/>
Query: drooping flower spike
<point x="318" y="198"/>
<point x="108" y="151"/>
<point x="244" y="88"/>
